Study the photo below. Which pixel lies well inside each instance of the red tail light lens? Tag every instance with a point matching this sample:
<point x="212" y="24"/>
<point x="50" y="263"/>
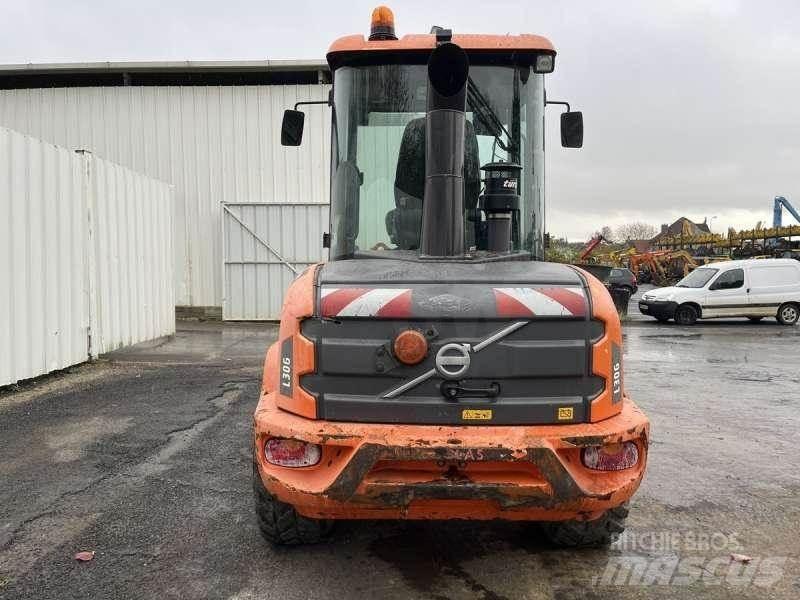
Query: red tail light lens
<point x="613" y="457"/>
<point x="291" y="453"/>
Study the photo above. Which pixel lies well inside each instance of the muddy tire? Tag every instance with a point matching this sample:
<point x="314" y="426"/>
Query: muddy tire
<point x="280" y="523"/>
<point x="686" y="314"/>
<point x="788" y="314"/>
<point x="588" y="534"/>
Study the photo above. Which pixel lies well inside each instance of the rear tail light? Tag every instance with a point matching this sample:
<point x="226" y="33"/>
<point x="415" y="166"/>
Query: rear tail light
<point x="612" y="457"/>
<point x="291" y="453"/>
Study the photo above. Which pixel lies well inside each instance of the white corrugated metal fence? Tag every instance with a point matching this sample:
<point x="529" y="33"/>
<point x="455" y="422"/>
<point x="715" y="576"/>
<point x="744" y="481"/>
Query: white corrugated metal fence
<point x="85" y="257"/>
<point x="131" y="231"/>
<point x="43" y="315"/>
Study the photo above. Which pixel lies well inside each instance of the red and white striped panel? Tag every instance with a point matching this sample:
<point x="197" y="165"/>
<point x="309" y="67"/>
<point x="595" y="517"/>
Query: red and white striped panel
<point x="365" y="302"/>
<point x="396" y="303"/>
<point x="540" y="301"/>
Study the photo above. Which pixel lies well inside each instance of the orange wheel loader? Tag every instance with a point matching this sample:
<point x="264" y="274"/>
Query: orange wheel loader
<point x="435" y="367"/>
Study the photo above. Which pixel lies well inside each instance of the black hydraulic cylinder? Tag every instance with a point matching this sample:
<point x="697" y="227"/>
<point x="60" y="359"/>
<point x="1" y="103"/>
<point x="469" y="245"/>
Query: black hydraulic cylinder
<point x="443" y="204"/>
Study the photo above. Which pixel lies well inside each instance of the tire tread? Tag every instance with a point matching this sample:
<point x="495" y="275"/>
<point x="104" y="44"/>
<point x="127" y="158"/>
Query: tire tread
<point x="779" y="316"/>
<point x="588" y="534"/>
<point x="280" y="523"/>
<point x="688" y="321"/>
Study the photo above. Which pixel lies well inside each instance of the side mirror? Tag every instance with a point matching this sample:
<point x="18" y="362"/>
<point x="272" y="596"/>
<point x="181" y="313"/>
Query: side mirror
<point x="292" y="127"/>
<point x="571" y="129"/>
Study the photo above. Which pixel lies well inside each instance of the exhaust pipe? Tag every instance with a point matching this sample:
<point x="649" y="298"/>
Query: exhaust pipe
<point x="443" y="203"/>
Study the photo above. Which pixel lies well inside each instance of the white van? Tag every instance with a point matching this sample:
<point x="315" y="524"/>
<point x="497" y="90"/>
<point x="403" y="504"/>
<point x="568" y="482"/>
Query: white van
<point x="739" y="288"/>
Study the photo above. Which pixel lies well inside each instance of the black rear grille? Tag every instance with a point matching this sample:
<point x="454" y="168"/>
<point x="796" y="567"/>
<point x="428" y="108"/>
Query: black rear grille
<point x="540" y="368"/>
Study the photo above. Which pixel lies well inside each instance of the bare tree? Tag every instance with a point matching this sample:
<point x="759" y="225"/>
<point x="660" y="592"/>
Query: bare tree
<point x="606" y="232"/>
<point x="636" y="230"/>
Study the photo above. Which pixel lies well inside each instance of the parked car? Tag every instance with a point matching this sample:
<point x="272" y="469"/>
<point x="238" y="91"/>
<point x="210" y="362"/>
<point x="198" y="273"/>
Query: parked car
<point x="622" y="278"/>
<point x="741" y="288"/>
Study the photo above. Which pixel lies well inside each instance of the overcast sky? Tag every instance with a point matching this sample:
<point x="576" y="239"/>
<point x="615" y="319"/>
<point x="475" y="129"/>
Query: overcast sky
<point x="691" y="107"/>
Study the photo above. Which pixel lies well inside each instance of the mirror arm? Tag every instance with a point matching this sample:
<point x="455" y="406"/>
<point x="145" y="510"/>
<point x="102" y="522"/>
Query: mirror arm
<point x="311" y="102"/>
<point x="558" y="102"/>
<point x="329" y="101"/>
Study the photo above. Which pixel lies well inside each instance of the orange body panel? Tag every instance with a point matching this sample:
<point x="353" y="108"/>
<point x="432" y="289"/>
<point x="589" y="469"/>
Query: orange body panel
<point x="298" y="304"/>
<point x="603" y="309"/>
<point x="529" y="42"/>
<point x="370" y="471"/>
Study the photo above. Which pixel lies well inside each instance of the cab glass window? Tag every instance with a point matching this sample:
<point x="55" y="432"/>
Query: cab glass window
<point x="378" y="160"/>
<point x="697" y="278"/>
<point x="729" y="280"/>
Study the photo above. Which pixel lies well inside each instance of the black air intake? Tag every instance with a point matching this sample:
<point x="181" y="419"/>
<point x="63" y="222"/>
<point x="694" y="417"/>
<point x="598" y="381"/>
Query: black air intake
<point x="500" y="202"/>
<point x="443" y="203"/>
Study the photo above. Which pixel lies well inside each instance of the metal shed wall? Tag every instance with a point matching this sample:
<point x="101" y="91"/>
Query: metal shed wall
<point x="213" y="143"/>
<point x="85" y="261"/>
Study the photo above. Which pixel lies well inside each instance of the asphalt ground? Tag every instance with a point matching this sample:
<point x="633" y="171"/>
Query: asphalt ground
<point x="144" y="458"/>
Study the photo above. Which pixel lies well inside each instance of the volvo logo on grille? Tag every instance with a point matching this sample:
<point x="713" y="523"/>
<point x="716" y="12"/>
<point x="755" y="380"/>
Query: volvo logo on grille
<point x="452" y="360"/>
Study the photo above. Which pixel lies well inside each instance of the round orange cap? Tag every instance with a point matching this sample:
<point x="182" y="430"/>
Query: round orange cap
<point x="410" y="347"/>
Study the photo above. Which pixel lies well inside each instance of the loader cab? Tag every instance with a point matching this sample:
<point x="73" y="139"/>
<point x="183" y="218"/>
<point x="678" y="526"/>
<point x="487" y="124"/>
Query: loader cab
<point x="378" y="144"/>
<point x="378" y="152"/>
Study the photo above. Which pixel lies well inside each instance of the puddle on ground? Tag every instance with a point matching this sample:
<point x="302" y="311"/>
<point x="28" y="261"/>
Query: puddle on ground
<point x="426" y="553"/>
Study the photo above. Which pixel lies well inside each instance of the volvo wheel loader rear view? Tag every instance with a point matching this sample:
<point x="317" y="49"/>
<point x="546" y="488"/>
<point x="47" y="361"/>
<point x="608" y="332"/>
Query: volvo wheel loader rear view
<point x="435" y="367"/>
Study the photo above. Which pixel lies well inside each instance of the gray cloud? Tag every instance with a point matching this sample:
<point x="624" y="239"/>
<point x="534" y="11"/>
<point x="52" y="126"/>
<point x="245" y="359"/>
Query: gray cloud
<point x="691" y="106"/>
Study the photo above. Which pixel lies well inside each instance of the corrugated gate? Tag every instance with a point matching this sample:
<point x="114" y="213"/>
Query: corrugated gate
<point x="264" y="247"/>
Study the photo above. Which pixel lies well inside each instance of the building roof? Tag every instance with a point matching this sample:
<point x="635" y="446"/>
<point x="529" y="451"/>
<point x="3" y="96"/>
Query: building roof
<point x="682" y="226"/>
<point x="161" y="66"/>
<point x="190" y="72"/>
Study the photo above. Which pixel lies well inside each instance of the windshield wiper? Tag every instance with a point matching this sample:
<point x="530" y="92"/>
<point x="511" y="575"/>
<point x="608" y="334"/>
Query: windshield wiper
<point x="487" y="115"/>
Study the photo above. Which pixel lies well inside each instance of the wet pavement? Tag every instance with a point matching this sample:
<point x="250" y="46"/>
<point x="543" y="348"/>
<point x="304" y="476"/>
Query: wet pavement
<point x="144" y="458"/>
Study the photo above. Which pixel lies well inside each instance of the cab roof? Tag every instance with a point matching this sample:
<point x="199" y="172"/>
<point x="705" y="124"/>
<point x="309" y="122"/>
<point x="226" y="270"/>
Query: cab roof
<point x="524" y="43"/>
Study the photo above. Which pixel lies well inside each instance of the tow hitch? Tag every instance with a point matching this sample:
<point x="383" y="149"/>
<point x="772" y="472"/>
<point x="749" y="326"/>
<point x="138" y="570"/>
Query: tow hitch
<point x="453" y="390"/>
